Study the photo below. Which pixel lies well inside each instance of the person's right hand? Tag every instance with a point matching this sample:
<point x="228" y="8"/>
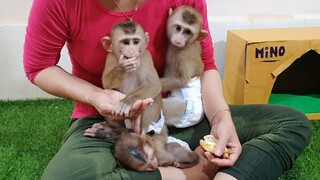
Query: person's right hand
<point x="105" y="100"/>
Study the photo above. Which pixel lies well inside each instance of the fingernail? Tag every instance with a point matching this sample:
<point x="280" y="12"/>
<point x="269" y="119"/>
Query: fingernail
<point x="218" y="152"/>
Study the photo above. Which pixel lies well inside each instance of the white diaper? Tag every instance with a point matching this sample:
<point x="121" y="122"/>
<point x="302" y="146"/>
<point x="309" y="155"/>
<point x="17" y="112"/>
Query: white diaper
<point x="157" y="127"/>
<point x="194" y="110"/>
<point x="182" y="143"/>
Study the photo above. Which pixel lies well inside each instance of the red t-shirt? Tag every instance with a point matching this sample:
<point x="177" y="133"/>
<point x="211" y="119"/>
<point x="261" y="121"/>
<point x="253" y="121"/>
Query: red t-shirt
<point x="81" y="24"/>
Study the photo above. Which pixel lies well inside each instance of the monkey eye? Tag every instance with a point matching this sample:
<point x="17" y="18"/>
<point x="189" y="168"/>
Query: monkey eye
<point x="178" y="28"/>
<point x="136" y="41"/>
<point x="187" y="32"/>
<point x="125" y="42"/>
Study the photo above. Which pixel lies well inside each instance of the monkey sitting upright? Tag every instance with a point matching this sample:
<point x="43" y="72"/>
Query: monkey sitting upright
<point x="184" y="67"/>
<point x="129" y="69"/>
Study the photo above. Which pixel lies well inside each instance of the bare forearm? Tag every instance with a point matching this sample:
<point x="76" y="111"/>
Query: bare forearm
<point x="218" y="114"/>
<point x="58" y="82"/>
<point x="212" y="93"/>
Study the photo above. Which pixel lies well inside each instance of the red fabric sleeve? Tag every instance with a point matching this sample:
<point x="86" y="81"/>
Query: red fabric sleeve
<point x="46" y="34"/>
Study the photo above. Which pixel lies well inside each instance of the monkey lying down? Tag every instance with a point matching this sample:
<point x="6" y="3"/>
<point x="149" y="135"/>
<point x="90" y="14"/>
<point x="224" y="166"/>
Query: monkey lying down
<point x="129" y="69"/>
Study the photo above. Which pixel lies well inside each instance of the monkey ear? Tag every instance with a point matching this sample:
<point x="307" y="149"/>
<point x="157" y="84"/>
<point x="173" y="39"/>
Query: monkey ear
<point x="147" y="38"/>
<point x="106" y="43"/>
<point x="202" y="34"/>
<point x="143" y="136"/>
<point x="170" y="11"/>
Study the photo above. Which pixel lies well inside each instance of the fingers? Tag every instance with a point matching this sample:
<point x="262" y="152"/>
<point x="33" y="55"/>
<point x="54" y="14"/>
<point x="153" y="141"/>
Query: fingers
<point x="139" y="106"/>
<point x="121" y="59"/>
<point x="234" y="151"/>
<point x="128" y="65"/>
<point x="220" y="146"/>
<point x="221" y="162"/>
<point x="136" y="125"/>
<point x="122" y="111"/>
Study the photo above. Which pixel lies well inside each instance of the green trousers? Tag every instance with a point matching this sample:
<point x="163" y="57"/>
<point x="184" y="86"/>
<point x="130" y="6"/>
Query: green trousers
<point x="272" y="138"/>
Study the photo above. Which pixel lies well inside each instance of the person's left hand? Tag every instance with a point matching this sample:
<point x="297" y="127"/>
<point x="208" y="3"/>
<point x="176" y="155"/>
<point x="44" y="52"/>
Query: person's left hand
<point x="224" y="131"/>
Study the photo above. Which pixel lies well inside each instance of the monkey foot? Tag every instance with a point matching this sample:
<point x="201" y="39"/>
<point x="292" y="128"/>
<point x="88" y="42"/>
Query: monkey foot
<point x="96" y="129"/>
<point x="122" y="108"/>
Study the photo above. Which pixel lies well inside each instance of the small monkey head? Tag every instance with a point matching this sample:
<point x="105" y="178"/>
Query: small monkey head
<point x="134" y="152"/>
<point x="184" y="26"/>
<point x="127" y="38"/>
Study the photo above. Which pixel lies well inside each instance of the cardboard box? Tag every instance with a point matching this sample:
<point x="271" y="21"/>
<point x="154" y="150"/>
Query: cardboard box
<point x="256" y="57"/>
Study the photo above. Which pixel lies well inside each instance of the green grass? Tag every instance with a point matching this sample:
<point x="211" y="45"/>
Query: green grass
<point x="30" y="134"/>
<point x="307" y="165"/>
<point x="31" y="131"/>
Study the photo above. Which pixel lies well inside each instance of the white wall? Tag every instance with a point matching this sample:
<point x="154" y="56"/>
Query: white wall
<point x="223" y="15"/>
<point x="252" y="14"/>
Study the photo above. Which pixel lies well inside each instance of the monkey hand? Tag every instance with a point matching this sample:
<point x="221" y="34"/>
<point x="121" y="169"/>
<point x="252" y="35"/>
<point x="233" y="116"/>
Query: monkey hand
<point x="122" y="108"/>
<point x="133" y="111"/>
<point x="128" y="64"/>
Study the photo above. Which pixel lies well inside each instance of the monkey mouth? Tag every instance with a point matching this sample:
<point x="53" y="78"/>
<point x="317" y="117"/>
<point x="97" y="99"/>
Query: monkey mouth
<point x="178" y="45"/>
<point x="127" y="57"/>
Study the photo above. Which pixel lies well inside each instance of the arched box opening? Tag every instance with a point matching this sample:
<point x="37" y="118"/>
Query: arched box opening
<point x="298" y="86"/>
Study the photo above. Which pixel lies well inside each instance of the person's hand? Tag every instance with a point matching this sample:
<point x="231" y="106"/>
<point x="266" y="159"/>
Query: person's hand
<point x="130" y="64"/>
<point x="105" y="100"/>
<point x="224" y="131"/>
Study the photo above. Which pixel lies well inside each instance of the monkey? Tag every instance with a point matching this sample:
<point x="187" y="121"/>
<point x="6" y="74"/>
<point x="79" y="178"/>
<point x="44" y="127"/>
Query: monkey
<point x="184" y="67"/>
<point x="136" y="153"/>
<point x="137" y="81"/>
<point x="129" y="69"/>
<point x="140" y="152"/>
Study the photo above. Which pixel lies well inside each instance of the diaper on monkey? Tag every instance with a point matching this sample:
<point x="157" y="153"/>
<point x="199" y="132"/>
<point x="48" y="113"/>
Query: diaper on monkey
<point x="194" y="110"/>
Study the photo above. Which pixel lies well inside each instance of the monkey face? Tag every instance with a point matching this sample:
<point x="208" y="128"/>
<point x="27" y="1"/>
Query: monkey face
<point x="135" y="152"/>
<point x="130" y="47"/>
<point x="183" y="26"/>
<point x="180" y="35"/>
<point x="151" y="163"/>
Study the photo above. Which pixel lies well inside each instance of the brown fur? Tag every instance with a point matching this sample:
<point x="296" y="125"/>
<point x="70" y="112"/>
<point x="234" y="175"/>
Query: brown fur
<point x="183" y="63"/>
<point x="140" y="84"/>
<point x="130" y="149"/>
<point x="129" y="27"/>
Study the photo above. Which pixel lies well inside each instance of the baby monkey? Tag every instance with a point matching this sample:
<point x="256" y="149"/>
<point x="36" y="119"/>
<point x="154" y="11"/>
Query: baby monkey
<point x="129" y="69"/>
<point x="141" y="152"/>
<point x="184" y="67"/>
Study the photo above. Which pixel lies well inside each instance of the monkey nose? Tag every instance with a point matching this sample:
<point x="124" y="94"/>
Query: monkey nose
<point x="131" y="52"/>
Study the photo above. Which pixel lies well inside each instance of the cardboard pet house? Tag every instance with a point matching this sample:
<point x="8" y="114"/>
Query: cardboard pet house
<point x="257" y="59"/>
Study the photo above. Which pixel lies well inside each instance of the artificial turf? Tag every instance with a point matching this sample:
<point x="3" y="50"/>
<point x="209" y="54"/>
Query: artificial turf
<point x="31" y="131"/>
<point x="307" y="103"/>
